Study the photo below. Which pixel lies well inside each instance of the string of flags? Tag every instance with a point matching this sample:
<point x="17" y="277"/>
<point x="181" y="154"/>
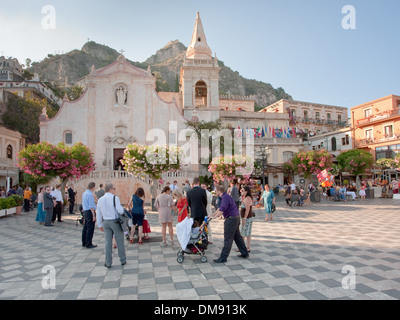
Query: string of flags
<point x="268" y="132"/>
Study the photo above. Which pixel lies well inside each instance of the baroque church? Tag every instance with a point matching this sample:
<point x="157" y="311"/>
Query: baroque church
<point x="120" y="106"/>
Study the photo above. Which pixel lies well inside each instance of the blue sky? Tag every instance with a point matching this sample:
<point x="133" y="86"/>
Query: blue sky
<point x="297" y="45"/>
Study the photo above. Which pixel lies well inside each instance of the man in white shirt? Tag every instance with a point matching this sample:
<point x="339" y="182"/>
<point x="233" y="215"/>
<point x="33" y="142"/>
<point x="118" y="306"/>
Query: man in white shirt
<point x="58" y="209"/>
<point x="108" y="208"/>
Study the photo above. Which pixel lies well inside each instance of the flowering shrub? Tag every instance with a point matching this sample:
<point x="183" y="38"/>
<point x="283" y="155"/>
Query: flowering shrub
<point x="44" y="161"/>
<point x="230" y="167"/>
<point x="386" y="163"/>
<point x="356" y="161"/>
<point x="310" y="162"/>
<point x="152" y="160"/>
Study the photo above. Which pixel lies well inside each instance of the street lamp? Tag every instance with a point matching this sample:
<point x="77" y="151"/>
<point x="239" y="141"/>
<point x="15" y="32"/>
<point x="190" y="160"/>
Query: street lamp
<point x="263" y="154"/>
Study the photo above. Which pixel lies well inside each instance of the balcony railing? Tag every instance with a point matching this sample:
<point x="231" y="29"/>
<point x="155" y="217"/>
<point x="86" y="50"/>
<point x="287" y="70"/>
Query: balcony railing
<point x="369" y="141"/>
<point x="333" y="123"/>
<point x="379" y="116"/>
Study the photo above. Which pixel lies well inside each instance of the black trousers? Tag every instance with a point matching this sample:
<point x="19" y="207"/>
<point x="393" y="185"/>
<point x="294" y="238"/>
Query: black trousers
<point x="71" y="206"/>
<point x="57" y="211"/>
<point x="27" y="204"/>
<point x="232" y="233"/>
<point x="88" y="228"/>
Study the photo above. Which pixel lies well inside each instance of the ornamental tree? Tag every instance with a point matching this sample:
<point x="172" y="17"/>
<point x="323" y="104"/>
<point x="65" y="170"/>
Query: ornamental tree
<point x="152" y="161"/>
<point x="231" y="167"/>
<point x="311" y="162"/>
<point x="356" y="162"/>
<point x="44" y="161"/>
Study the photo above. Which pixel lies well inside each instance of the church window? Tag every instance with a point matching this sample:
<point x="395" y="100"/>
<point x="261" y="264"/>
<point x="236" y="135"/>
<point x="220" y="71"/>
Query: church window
<point x="68" y="137"/>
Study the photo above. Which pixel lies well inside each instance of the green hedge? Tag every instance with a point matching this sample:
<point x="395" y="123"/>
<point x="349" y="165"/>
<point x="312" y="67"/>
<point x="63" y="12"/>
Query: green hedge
<point x="8" y="203"/>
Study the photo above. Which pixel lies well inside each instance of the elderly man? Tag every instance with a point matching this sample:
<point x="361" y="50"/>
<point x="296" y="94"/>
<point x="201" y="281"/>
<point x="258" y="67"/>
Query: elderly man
<point x="89" y="208"/>
<point x="230" y="212"/>
<point x="108" y="209"/>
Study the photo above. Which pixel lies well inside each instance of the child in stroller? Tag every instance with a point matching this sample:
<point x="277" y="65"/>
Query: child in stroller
<point x="192" y="238"/>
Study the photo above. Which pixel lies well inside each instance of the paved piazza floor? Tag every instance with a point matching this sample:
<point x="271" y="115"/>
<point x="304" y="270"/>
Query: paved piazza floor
<point x="329" y="250"/>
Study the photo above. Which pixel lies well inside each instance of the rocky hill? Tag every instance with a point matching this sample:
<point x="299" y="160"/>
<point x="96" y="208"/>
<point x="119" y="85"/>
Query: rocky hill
<point x="65" y="69"/>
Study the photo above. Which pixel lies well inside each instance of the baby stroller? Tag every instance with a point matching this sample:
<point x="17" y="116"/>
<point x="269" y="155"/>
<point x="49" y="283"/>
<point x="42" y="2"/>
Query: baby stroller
<point x="189" y="245"/>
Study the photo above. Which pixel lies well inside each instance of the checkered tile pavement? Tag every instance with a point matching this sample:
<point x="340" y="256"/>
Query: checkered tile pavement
<point x="308" y="253"/>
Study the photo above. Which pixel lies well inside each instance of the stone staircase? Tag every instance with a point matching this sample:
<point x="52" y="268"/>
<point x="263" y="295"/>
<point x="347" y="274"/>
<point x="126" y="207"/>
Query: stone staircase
<point x="125" y="184"/>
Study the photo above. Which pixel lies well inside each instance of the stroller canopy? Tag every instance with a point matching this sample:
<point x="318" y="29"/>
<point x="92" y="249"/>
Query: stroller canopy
<point x="183" y="230"/>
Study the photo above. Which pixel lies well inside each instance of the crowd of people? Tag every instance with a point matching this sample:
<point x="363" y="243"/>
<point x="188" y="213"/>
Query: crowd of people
<point x="198" y="201"/>
<point x="192" y="200"/>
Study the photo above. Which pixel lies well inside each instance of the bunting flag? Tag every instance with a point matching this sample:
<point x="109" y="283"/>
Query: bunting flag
<point x="262" y="132"/>
<point x="294" y="132"/>
<point x="288" y="133"/>
<point x="239" y="132"/>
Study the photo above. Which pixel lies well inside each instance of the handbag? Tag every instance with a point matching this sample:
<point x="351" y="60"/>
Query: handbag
<point x="119" y="218"/>
<point x="273" y="208"/>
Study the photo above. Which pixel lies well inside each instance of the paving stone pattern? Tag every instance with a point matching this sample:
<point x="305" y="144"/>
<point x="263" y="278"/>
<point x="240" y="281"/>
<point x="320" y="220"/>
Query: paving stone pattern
<point x="307" y="253"/>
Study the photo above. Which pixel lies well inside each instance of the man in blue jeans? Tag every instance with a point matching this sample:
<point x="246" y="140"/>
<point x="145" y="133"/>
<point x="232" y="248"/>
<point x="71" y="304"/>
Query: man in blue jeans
<point x="89" y="208"/>
<point x="230" y="212"/>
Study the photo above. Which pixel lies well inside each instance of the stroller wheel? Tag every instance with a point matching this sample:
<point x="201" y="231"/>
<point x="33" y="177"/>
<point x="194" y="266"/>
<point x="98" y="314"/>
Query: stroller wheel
<point x="180" y="259"/>
<point x="203" y="259"/>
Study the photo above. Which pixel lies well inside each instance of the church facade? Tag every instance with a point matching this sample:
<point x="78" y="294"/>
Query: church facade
<point x="120" y="106"/>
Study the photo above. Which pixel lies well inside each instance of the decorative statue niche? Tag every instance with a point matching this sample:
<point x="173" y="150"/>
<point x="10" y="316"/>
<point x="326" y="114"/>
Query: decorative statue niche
<point x="121" y="95"/>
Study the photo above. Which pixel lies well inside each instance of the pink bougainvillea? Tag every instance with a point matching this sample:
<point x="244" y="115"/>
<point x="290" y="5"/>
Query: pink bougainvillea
<point x="44" y="161"/>
<point x="228" y="168"/>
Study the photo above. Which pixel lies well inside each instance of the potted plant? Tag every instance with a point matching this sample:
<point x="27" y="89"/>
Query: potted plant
<point x="18" y="202"/>
<point x="3" y="211"/>
<point x="10" y="205"/>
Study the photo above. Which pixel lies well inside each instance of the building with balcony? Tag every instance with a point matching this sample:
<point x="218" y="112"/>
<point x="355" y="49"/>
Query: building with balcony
<point x="376" y="126"/>
<point x="310" y="119"/>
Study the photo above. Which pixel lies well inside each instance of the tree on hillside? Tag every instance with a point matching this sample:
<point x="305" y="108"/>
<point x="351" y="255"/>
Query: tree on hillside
<point x="22" y="115"/>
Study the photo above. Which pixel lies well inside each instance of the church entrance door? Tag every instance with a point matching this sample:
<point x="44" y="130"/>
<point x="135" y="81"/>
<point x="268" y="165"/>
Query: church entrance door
<point x="118" y="156"/>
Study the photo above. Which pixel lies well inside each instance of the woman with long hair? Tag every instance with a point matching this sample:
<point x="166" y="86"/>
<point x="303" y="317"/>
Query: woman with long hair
<point x="138" y="213"/>
<point x="247" y="215"/>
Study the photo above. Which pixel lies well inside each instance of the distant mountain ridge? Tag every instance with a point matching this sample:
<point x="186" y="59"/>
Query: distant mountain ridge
<point x="66" y="69"/>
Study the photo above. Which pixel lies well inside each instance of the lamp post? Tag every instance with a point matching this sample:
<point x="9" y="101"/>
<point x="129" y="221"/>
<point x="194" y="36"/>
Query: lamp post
<point x="263" y="154"/>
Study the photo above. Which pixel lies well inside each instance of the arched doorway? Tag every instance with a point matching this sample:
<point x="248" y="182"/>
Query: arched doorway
<point x="201" y="94"/>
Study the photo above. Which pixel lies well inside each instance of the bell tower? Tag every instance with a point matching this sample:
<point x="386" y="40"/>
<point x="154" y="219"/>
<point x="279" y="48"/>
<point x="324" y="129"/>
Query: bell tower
<point x="199" y="77"/>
